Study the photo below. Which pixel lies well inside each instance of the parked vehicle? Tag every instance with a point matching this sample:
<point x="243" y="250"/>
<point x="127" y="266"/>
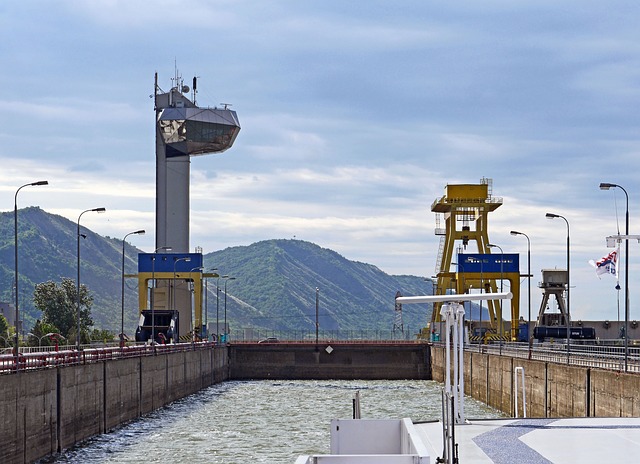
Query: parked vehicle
<point x="166" y="327"/>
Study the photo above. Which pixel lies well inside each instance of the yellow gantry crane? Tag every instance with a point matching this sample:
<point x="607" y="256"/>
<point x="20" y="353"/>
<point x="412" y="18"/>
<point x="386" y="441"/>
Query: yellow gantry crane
<point x="465" y="208"/>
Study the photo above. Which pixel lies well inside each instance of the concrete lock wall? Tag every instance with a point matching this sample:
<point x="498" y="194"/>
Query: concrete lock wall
<point x="552" y="390"/>
<point x="341" y="361"/>
<point x="614" y="393"/>
<point x="28" y="408"/>
<point x="80" y="399"/>
<point x="46" y="411"/>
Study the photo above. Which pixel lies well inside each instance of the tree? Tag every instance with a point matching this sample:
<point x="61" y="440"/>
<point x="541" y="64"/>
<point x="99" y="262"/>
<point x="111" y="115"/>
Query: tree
<point x="4" y="331"/>
<point x="104" y="336"/>
<point x="59" y="304"/>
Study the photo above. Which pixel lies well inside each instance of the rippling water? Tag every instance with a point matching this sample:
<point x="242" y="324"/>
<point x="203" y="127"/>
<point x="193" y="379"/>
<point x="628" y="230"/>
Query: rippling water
<point x="259" y="421"/>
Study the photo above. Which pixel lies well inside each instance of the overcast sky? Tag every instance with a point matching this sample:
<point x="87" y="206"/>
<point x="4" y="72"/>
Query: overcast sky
<point x="354" y="115"/>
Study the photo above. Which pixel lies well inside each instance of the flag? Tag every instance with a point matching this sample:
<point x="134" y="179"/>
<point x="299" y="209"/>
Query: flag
<point x="608" y="264"/>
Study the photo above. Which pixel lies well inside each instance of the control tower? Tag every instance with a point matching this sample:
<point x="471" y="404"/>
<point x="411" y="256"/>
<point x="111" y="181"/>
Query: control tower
<point x="183" y="130"/>
<point x="169" y="277"/>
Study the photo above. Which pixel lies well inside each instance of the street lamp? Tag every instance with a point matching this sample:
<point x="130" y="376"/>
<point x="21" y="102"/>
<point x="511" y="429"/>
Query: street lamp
<point x="137" y="232"/>
<point x="206" y="301"/>
<point x="460" y="266"/>
<point x="15" y="236"/>
<point x="217" y="309"/>
<point x="491" y="245"/>
<point x="463" y="282"/>
<point x="97" y="210"/>
<point x="50" y="334"/>
<point x="226" y="279"/>
<point x="176" y="260"/>
<point x="515" y="232"/>
<point x="152" y="296"/>
<point x="192" y="309"/>
<point x="607" y="186"/>
<point x="554" y="216"/>
<point x="481" y="291"/>
<point x="317" y="307"/>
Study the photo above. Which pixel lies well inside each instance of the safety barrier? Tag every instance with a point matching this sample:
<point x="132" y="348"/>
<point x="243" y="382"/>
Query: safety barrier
<point x="606" y="354"/>
<point x="67" y="357"/>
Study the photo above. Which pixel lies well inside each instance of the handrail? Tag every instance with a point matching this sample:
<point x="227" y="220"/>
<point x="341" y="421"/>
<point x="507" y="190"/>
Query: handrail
<point x="605" y="354"/>
<point x="67" y="357"/>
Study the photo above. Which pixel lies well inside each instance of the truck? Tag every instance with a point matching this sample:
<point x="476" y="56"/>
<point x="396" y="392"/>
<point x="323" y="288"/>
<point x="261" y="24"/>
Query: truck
<point x="166" y="326"/>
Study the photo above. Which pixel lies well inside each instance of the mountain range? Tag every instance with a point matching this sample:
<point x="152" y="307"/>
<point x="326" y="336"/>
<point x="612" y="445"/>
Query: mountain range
<point x="274" y="285"/>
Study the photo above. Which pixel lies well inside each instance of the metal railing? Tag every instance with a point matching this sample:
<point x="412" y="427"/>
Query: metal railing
<point x="309" y="336"/>
<point x="327" y="341"/>
<point x="43" y="359"/>
<point x="606" y="354"/>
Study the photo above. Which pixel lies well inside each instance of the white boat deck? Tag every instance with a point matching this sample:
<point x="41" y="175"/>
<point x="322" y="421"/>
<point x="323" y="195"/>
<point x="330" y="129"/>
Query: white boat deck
<point x="539" y="441"/>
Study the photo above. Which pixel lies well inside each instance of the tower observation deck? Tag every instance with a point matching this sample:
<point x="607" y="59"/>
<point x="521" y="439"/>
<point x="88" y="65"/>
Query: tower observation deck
<point x="183" y="130"/>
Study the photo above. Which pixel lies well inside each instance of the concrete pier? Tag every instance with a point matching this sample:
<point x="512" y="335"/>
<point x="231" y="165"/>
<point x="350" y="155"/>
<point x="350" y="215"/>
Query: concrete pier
<point x="344" y="361"/>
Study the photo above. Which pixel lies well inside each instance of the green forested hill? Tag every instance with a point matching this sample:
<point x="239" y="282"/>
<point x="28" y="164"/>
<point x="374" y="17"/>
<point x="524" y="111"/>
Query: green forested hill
<point x="274" y="286"/>
<point x="48" y="251"/>
<point x="276" y="282"/>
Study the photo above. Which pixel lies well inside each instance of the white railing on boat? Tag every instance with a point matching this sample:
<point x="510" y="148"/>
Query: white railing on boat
<point x="372" y="441"/>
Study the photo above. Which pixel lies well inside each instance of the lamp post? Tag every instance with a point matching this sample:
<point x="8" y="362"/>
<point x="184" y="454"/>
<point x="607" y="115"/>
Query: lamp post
<point x="317" y="308"/>
<point x="137" y="232"/>
<point x="206" y="301"/>
<point x="176" y="260"/>
<point x="491" y="245"/>
<point x="553" y="216"/>
<point x="226" y="279"/>
<point x="15" y="236"/>
<point x="192" y="307"/>
<point x="481" y="291"/>
<point x="460" y="266"/>
<point x="96" y="210"/>
<point x="50" y="334"/>
<point x="152" y="296"/>
<point x="463" y="282"/>
<point x="607" y="186"/>
<point x="530" y="338"/>
<point x="217" y="309"/>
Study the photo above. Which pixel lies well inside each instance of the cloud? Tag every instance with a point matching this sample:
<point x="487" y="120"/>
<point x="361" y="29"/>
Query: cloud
<point x="353" y="120"/>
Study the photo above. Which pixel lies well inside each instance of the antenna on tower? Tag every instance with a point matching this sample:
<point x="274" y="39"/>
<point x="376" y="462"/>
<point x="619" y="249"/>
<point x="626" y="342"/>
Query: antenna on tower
<point x="194" y="89"/>
<point x="175" y="80"/>
<point x="178" y="82"/>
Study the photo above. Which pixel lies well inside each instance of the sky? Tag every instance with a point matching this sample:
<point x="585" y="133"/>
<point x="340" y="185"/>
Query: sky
<point x="354" y="115"/>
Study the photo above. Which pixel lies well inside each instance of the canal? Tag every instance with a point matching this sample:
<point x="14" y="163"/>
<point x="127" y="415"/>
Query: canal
<point x="259" y="421"/>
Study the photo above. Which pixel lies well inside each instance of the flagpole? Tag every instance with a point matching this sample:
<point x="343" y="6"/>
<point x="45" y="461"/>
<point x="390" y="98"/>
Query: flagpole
<point x="607" y="186"/>
<point x="618" y="282"/>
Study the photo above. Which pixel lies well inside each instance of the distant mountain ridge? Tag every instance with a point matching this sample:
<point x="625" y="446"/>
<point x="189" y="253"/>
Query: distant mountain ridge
<point x="274" y="287"/>
<point x="280" y="276"/>
<point x="48" y="251"/>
